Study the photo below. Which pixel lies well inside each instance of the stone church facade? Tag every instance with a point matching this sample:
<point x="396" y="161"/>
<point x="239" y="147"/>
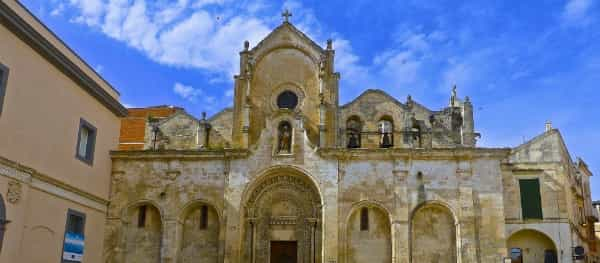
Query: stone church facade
<point x="290" y="175"/>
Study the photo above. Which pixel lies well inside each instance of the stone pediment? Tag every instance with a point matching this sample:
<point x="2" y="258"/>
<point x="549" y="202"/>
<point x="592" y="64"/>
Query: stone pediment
<point x="374" y="95"/>
<point x="287" y="36"/>
<point x="546" y="147"/>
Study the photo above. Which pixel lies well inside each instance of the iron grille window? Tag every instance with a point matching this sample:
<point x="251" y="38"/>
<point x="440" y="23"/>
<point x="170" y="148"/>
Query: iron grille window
<point x="74" y="233"/>
<point x="531" y="201"/>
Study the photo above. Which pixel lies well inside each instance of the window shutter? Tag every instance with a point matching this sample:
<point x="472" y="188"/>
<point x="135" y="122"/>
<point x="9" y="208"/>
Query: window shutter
<point x="531" y="201"/>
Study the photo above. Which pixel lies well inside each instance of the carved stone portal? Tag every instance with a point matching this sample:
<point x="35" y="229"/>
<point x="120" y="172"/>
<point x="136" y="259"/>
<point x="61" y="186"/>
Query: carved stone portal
<point x="283" y="207"/>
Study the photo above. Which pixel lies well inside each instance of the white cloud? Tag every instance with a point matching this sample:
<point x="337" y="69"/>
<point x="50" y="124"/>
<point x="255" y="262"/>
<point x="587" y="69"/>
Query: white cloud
<point x="191" y="34"/>
<point x="177" y="34"/>
<point x="576" y="12"/>
<point x="60" y="8"/>
<point x="195" y="95"/>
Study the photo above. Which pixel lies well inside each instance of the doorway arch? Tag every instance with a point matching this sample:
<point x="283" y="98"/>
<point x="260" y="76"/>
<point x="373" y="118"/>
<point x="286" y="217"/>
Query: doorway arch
<point x="530" y="245"/>
<point x="282" y="208"/>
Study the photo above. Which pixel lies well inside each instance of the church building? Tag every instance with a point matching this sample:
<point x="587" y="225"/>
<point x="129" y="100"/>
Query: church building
<point x="289" y="175"/>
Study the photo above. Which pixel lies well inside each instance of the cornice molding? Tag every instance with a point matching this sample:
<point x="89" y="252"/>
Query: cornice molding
<point x="414" y="154"/>
<point x="181" y="154"/>
<point x="50" y="185"/>
<point x="35" y="40"/>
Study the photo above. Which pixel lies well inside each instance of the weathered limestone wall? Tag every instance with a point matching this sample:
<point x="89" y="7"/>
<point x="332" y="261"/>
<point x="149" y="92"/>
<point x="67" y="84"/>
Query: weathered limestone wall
<point x="433" y="235"/>
<point x="143" y="243"/>
<point x="373" y="244"/>
<point x="172" y="186"/>
<point x="197" y="242"/>
<point x="280" y="70"/>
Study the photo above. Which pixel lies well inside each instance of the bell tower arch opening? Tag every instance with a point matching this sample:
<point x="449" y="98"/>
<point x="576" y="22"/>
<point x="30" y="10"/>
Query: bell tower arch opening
<point x="282" y="218"/>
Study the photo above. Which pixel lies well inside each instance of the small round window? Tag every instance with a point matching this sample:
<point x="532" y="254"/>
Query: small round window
<point x="287" y="100"/>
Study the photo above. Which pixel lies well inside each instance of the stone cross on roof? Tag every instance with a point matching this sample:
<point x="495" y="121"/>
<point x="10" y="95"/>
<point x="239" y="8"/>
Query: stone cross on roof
<point x="286" y="15"/>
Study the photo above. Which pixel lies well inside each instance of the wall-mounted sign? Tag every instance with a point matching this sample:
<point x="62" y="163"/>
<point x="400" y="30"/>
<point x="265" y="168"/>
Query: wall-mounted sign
<point x="73" y="247"/>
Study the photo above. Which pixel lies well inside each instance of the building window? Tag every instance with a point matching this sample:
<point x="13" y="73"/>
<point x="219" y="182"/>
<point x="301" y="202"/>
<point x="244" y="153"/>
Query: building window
<point x="86" y="140"/>
<point x="516" y="255"/>
<point x="287" y="100"/>
<point x="386" y="131"/>
<point x="142" y="216"/>
<point x="531" y="201"/>
<point x="364" y="219"/>
<point x="353" y="131"/>
<point x="3" y="84"/>
<point x="203" y="217"/>
<point x="3" y="220"/>
<point x="74" y="237"/>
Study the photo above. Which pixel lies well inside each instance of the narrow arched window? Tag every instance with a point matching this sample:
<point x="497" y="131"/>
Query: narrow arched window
<point x="203" y="217"/>
<point x="353" y="132"/>
<point x="142" y="216"/>
<point x="364" y="219"/>
<point x="386" y="133"/>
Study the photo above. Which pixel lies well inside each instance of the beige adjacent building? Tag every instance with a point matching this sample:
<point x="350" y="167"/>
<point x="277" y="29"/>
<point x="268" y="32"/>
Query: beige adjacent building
<point x="58" y="121"/>
<point x="290" y="175"/>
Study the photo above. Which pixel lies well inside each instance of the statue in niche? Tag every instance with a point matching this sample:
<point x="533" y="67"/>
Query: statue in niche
<point x="285" y="138"/>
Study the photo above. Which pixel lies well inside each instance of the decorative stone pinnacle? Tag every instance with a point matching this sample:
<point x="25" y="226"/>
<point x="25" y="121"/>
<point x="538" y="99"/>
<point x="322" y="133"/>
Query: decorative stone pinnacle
<point x="286" y="15"/>
<point x="246" y="45"/>
<point x="329" y="44"/>
<point x="453" y="97"/>
<point x="548" y="126"/>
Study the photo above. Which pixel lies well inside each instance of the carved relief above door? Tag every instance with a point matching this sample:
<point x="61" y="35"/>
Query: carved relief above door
<point x="282" y="219"/>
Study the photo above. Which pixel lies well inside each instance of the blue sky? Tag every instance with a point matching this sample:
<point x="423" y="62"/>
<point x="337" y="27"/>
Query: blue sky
<point x="521" y="62"/>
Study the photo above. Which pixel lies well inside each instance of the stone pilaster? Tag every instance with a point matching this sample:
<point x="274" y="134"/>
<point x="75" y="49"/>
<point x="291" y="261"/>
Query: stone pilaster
<point x="329" y="189"/>
<point x="400" y="217"/>
<point x="169" y="242"/>
<point x="467" y="221"/>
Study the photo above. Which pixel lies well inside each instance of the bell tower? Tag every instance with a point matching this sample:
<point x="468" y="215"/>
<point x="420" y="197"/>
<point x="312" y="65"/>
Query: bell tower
<point x="286" y="80"/>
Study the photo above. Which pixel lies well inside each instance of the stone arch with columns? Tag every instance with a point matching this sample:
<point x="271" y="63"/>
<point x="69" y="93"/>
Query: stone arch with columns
<point x="282" y="205"/>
